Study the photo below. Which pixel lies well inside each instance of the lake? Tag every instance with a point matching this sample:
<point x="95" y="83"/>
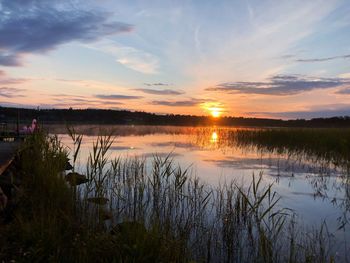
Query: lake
<point x="316" y="190"/>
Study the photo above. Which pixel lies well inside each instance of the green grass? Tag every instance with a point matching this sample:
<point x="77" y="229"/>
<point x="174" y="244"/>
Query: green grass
<point x="161" y="214"/>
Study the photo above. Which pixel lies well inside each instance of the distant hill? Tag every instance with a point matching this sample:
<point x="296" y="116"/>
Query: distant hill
<point x="99" y="116"/>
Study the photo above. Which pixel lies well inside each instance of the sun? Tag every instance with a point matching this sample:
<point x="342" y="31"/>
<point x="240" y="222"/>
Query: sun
<point x="215" y="112"/>
<point x="215" y="109"/>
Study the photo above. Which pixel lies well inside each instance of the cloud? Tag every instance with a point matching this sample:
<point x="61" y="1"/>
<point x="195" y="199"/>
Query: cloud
<point x="180" y="103"/>
<point x="344" y="75"/>
<point x="247" y="163"/>
<point x="274" y="166"/>
<point x="87" y="101"/>
<point x="156" y="84"/>
<point x="10" y="92"/>
<point x="184" y="145"/>
<point x="117" y="97"/>
<point x="15" y="105"/>
<point x="345" y="91"/>
<point x="77" y="106"/>
<point x="130" y="57"/>
<point x="122" y="148"/>
<point x="43" y="105"/>
<point x="10" y="60"/>
<point x="287" y="56"/>
<point x="11" y="81"/>
<point x="319" y="111"/>
<point x="58" y="95"/>
<point x="137" y="60"/>
<point x="275" y="29"/>
<point x="159" y="154"/>
<point x="40" y="26"/>
<point x="281" y="85"/>
<point x="323" y="59"/>
<point x="160" y="92"/>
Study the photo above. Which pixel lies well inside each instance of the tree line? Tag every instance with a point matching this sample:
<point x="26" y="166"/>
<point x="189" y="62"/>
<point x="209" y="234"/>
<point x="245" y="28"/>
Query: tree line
<point x="102" y="116"/>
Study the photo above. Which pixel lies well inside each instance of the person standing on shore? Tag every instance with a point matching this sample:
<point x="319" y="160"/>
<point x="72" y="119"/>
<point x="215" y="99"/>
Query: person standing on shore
<point x="30" y="129"/>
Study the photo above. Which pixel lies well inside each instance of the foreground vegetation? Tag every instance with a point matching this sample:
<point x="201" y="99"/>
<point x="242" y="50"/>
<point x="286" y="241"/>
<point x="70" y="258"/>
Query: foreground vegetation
<point x="129" y="212"/>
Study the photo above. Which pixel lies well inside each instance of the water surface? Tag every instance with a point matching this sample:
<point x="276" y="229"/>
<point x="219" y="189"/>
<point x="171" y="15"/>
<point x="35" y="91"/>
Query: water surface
<point x="313" y="189"/>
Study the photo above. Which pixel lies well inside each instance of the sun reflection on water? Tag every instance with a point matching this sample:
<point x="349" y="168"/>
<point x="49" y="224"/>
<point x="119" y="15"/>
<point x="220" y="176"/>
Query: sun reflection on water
<point x="214" y="137"/>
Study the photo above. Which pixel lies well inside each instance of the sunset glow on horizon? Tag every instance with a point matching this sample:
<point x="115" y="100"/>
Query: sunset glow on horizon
<point x="274" y="59"/>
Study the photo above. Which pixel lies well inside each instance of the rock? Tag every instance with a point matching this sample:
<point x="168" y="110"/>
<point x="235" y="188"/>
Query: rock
<point x="75" y="179"/>
<point x="105" y="215"/>
<point x="132" y="227"/>
<point x="68" y="166"/>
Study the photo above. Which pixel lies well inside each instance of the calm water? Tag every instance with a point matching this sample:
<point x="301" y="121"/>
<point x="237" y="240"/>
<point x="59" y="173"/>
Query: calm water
<point x="314" y="190"/>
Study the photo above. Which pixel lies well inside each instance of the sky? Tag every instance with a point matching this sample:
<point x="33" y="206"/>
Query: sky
<point x="278" y="59"/>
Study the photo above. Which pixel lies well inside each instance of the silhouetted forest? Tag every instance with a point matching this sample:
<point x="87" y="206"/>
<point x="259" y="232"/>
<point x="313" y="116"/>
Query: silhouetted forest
<point x="99" y="116"/>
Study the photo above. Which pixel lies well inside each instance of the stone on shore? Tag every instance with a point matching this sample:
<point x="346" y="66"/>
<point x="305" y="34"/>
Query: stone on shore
<point x="75" y="179"/>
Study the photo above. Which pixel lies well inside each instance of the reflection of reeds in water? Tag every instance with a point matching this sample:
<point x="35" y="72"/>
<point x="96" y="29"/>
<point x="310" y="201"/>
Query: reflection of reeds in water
<point x="160" y="216"/>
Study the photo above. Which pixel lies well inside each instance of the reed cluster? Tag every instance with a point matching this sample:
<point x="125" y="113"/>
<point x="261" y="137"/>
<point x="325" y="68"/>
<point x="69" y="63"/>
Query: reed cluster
<point x="331" y="145"/>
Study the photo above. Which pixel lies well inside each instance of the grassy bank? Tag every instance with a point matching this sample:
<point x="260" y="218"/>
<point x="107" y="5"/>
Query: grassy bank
<point x="327" y="144"/>
<point x="127" y="212"/>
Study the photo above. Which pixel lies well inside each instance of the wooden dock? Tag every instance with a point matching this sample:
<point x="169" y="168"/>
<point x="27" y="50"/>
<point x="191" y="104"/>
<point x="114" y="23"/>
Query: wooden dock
<point x="7" y="154"/>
